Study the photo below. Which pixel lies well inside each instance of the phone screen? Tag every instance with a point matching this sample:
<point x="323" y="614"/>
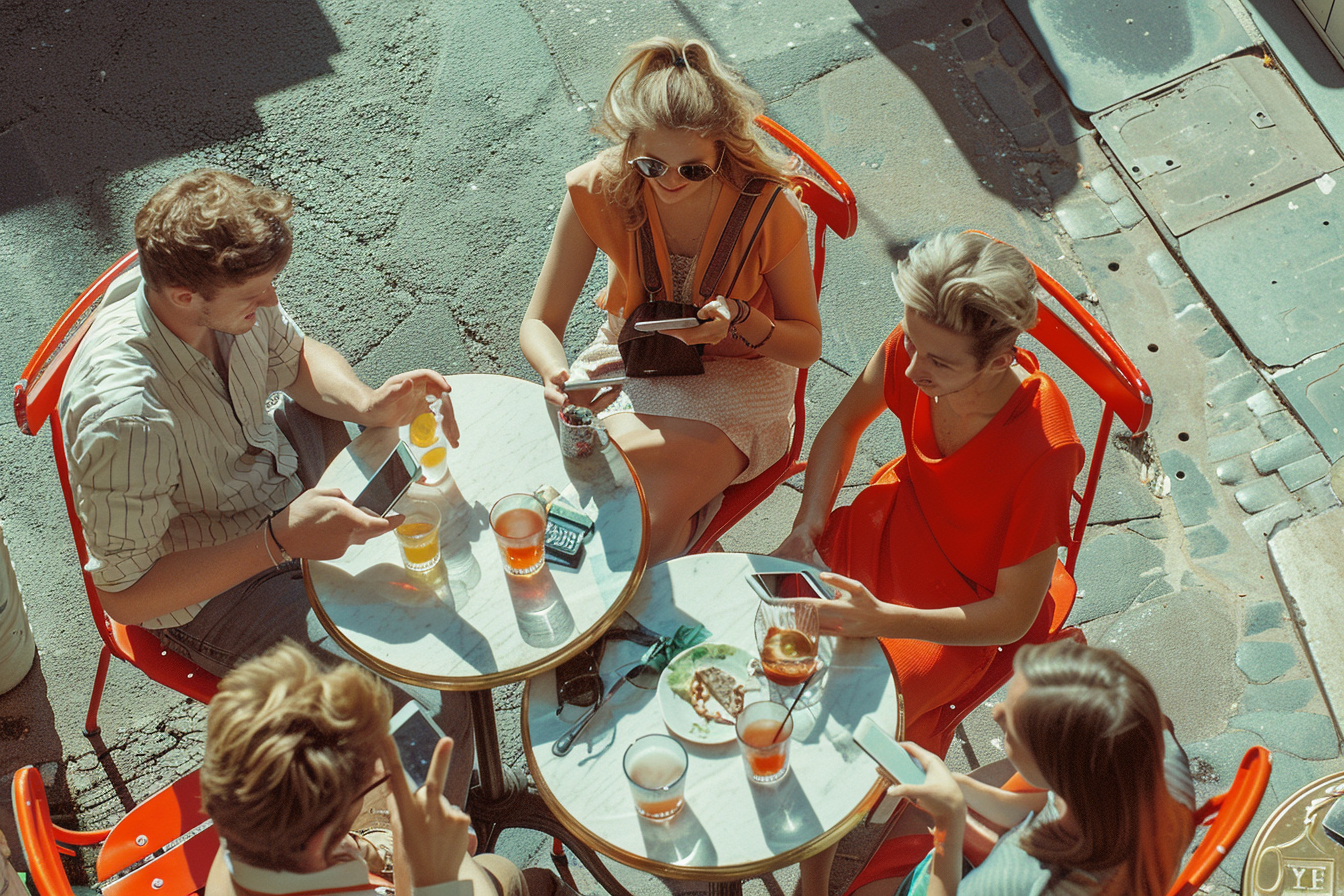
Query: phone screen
<point x="416" y="738"/>
<point x="790" y="584"/>
<point x="390" y="482"/>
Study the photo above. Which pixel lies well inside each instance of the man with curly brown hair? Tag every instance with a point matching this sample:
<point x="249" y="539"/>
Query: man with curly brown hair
<point x="196" y="493"/>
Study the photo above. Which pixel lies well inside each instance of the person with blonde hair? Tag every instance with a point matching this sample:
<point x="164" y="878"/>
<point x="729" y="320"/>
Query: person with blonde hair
<point x="292" y="750"/>
<point x="949" y="552"/>
<point x="688" y="206"/>
<point x="1115" y="811"/>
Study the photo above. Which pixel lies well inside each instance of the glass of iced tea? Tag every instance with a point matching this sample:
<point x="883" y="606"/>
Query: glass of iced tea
<point x="655" y="766"/>
<point x="786" y="636"/>
<point x="763" y="732"/>
<point x="418" y="536"/>
<point x="519" y="524"/>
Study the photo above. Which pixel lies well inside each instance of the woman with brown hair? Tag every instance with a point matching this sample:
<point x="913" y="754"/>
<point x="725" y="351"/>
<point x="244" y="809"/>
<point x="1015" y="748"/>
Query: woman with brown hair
<point x="1115" y="813"/>
<point x="688" y="206"/>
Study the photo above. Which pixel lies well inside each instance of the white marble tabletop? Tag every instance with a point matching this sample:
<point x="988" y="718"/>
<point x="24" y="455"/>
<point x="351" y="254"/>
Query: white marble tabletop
<point x="471" y="626"/>
<point x="729" y="827"/>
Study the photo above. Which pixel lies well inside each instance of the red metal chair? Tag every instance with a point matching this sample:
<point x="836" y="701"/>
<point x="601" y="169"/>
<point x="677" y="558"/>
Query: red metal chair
<point x="832" y="202"/>
<point x="1105" y="367"/>
<point x="139" y="855"/>
<point x="36" y="395"/>
<point x="1226" y="815"/>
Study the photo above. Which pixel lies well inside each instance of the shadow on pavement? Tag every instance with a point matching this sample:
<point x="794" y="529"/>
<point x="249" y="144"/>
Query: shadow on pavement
<point x="906" y="33"/>
<point x="100" y="88"/>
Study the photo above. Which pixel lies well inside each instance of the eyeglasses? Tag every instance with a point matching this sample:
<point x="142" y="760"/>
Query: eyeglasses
<point x="655" y="168"/>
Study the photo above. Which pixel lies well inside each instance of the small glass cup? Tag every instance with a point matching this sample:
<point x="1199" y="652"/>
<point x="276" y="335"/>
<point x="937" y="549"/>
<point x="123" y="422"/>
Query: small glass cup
<point x="519" y="524"/>
<point x="765" y="747"/>
<point x="655" y="766"/>
<point x="419" y="537"/>
<point x="429" y="444"/>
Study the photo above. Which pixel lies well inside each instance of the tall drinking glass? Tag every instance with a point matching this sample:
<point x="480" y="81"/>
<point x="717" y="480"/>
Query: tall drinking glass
<point x="786" y="636"/>
<point x="519" y="524"/>
<point x="655" y="766"/>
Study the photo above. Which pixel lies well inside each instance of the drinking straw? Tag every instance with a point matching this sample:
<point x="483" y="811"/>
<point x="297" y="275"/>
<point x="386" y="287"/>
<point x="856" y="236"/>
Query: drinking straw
<point x="801" y="691"/>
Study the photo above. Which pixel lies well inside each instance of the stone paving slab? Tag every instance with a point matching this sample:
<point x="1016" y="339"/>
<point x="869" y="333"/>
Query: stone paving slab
<point x="1276" y="273"/>
<point x="1308" y="561"/>
<point x="1315" y="390"/>
<point x="1304" y="57"/>
<point x="1105" y="51"/>
<point x="1225" y="138"/>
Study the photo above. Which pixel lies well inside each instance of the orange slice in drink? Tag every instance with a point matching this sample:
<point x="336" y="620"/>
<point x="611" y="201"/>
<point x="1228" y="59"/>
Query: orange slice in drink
<point x="787" y="644"/>
<point x="433" y="457"/>
<point x="424" y="430"/>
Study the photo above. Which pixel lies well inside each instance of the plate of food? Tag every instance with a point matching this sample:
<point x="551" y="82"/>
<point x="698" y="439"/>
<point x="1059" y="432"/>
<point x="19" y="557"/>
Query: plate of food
<point x="704" y="688"/>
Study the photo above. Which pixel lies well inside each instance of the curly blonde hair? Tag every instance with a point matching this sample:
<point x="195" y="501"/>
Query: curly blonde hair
<point x="210" y="229"/>
<point x="289" y="745"/>
<point x="972" y="285"/>
<point x="680" y="85"/>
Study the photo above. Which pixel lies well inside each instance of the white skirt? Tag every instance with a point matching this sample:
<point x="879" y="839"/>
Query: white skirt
<point x="750" y="400"/>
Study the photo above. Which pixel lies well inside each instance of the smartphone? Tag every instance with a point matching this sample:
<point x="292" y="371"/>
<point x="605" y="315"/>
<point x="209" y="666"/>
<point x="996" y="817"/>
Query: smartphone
<point x="416" y="736"/>
<point x="387" y="485"/>
<point x="773" y="585"/>
<point x="890" y="756"/>
<point x="564" y="542"/>
<point x="601" y="382"/>
<point x="1333" y="822"/>
<point x="675" y="323"/>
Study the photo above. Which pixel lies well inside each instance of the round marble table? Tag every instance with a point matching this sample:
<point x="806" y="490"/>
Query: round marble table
<point x="468" y="626"/>
<point x="729" y="828"/>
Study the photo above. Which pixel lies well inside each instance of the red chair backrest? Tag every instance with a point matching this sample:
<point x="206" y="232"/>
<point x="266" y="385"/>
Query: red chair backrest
<point x="153" y="824"/>
<point x="1227" y="816"/>
<point x="1103" y="365"/>
<point x="36" y="395"/>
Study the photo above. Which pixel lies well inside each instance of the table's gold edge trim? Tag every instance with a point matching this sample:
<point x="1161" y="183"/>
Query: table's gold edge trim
<point x="812" y="847"/>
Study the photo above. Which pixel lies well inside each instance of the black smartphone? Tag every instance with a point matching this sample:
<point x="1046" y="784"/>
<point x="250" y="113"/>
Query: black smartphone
<point x="387" y="485"/>
<point x="772" y="585"/>
<point x="416" y="736"/>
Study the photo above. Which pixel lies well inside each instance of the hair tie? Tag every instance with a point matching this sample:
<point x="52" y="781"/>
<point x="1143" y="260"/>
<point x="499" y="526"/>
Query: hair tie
<point x="679" y="61"/>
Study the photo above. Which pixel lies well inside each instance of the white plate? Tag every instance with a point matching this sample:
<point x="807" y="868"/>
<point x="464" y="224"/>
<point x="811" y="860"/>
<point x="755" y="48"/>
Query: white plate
<point x="681" y="719"/>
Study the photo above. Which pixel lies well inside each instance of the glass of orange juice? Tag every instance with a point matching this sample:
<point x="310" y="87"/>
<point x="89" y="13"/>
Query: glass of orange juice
<point x="763" y="732"/>
<point x="419" y="537"/>
<point x="519" y="524"/>
<point x="655" y="766"/>
<point x="428" y="443"/>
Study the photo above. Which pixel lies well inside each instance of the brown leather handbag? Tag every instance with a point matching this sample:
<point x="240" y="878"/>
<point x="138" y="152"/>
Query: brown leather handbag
<point x="658" y="354"/>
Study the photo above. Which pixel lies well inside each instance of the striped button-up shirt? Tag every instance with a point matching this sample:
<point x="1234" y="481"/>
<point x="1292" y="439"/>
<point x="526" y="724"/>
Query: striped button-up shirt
<point x="165" y="455"/>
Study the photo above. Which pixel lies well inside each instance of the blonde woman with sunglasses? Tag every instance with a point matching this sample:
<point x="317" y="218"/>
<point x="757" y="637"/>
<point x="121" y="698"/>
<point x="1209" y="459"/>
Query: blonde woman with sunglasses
<point x="684" y="151"/>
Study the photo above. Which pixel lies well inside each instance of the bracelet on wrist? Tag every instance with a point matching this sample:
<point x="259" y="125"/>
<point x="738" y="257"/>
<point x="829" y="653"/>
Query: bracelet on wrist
<point x="732" y="328"/>
<point x="270" y="555"/>
<point x="284" y="554"/>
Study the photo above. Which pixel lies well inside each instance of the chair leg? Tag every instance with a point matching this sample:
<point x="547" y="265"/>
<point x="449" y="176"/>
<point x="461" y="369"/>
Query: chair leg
<point x="91" y="728"/>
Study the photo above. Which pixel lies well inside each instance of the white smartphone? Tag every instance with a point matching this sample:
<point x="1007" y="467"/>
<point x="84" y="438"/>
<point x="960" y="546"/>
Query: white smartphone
<point x="416" y="736"/>
<point x="387" y="486"/>
<point x="599" y="382"/>
<point x="771" y="585"/>
<point x="890" y="756"/>
<point x="675" y="323"/>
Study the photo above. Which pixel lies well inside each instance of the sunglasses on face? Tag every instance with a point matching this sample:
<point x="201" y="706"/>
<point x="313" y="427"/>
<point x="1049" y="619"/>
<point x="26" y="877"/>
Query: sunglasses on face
<point x="655" y="168"/>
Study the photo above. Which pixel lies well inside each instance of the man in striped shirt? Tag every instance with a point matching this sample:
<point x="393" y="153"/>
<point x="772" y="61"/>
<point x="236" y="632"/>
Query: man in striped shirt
<point x="196" y="500"/>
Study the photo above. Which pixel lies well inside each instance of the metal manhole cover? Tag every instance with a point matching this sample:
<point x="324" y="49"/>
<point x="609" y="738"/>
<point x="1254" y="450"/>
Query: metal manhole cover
<point x="1223" y="139"/>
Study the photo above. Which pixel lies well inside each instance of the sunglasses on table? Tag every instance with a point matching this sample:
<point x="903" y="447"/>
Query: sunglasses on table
<point x="653" y="168"/>
<point x="577" y="679"/>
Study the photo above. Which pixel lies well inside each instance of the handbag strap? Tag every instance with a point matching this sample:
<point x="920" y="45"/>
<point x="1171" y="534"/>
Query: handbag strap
<point x="728" y="238"/>
<point x="653" y="278"/>
<point x="751" y="242"/>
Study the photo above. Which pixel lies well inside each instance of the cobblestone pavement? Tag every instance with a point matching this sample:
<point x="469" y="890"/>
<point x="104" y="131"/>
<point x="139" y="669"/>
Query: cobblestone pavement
<point x="425" y="147"/>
